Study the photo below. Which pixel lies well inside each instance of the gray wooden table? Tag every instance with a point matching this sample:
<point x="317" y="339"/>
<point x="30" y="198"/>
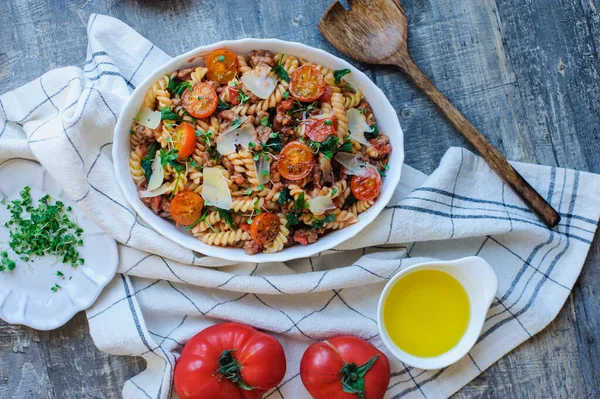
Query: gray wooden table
<point x="527" y="74"/>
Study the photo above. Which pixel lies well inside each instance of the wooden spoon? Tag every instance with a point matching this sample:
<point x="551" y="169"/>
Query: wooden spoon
<point x="376" y="32"/>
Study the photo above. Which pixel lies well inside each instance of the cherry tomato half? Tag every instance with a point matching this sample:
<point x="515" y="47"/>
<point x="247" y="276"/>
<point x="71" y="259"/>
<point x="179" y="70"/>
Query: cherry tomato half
<point x="234" y="92"/>
<point x="366" y="188"/>
<point x="186" y="207"/>
<point x="265" y="228"/>
<point x="201" y="101"/>
<point x="295" y="161"/>
<point x="222" y="65"/>
<point x="319" y="129"/>
<point x="307" y="83"/>
<point x="184" y="140"/>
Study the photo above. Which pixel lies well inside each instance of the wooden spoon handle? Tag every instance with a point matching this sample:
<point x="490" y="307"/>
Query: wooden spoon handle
<point x="496" y="161"/>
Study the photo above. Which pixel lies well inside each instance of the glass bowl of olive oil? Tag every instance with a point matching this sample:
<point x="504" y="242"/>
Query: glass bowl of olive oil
<point x="431" y="314"/>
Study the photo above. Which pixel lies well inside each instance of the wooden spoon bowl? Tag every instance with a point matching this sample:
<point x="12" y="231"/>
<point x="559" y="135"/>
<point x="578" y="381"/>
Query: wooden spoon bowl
<point x="376" y="32"/>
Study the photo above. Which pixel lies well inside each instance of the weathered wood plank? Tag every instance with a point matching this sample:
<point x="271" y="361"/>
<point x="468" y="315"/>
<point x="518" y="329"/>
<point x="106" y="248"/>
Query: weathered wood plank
<point x="498" y="61"/>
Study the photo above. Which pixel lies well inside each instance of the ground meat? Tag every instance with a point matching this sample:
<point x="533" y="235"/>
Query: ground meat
<point x="317" y="175"/>
<point x="238" y="179"/>
<point x="144" y="131"/>
<point x="305" y="236"/>
<point x="368" y="112"/>
<point x="382" y="145"/>
<point x="282" y="118"/>
<point x="274" y="173"/>
<point x="184" y="74"/>
<point x="159" y="205"/>
<point x="261" y="57"/>
<point x="252" y="97"/>
<point x="263" y="133"/>
<point x="251" y="248"/>
<point x="228" y="164"/>
<point x="227" y="115"/>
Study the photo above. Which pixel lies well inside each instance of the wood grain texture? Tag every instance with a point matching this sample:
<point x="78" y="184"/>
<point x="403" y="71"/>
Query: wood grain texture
<point x="527" y="73"/>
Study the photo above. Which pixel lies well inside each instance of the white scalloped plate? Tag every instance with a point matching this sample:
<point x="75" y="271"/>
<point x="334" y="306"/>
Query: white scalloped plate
<point x="25" y="295"/>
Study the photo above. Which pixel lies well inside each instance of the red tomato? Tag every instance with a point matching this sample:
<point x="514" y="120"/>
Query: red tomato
<point x="285" y="105"/>
<point x="366" y="188"/>
<point x="349" y="359"/>
<point x="184" y="140"/>
<point x="319" y="129"/>
<point x="222" y="65"/>
<point x="295" y="161"/>
<point x="229" y="361"/>
<point x="307" y="83"/>
<point x="201" y="101"/>
<point x="265" y="228"/>
<point x="186" y="207"/>
<point x="234" y="92"/>
<point x="326" y="97"/>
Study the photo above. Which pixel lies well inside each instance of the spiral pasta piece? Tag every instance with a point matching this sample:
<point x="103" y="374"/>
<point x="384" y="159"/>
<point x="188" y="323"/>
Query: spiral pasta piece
<point x="225" y="238"/>
<point x="280" y="240"/>
<point x="351" y="100"/>
<point x="361" y="206"/>
<point x="339" y="110"/>
<point x="135" y="165"/>
<point x="243" y="67"/>
<point x="250" y="167"/>
<point x="158" y="92"/>
<point x="198" y="74"/>
<point x="343" y="219"/>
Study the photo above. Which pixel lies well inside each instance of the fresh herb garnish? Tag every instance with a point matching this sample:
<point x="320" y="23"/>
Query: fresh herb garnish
<point x="339" y="74"/>
<point x="55" y="288"/>
<point x="221" y="58"/>
<point x="242" y="97"/>
<point x="178" y="87"/>
<point x="265" y="121"/>
<point x="351" y="200"/>
<point x="275" y="143"/>
<point x="328" y="122"/>
<point x="46" y="229"/>
<point x="167" y="114"/>
<point x="148" y="159"/>
<point x="293" y="218"/>
<point x="284" y="196"/>
<point x="280" y="71"/>
<point x="346" y="147"/>
<point x="374" y="134"/>
<point x="222" y="106"/>
<point x="169" y="158"/>
<point x="286" y="95"/>
<point x="227" y="216"/>
<point x="318" y="223"/>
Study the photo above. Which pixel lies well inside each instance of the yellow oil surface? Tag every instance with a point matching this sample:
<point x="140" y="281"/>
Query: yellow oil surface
<point x="426" y="313"/>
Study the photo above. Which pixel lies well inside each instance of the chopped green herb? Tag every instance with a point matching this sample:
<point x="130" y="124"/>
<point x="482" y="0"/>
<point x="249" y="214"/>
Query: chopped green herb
<point x="351" y="200"/>
<point x="251" y="144"/>
<point x="275" y="143"/>
<point x="318" y="223"/>
<point x="256" y="157"/>
<point x="293" y="218"/>
<point x="249" y="191"/>
<point x="148" y="158"/>
<point x="339" y="74"/>
<point x="236" y="123"/>
<point x="328" y="122"/>
<point x="178" y="87"/>
<point x="284" y="196"/>
<point x="249" y="221"/>
<point x="286" y="95"/>
<point x="55" y="288"/>
<point x="242" y="97"/>
<point x="199" y="98"/>
<point x="222" y="106"/>
<point x="260" y="187"/>
<point x="374" y="134"/>
<point x="346" y="147"/>
<point x="227" y="216"/>
<point x="273" y="135"/>
<point x="166" y="114"/>
<point x="221" y="58"/>
<point x="59" y="273"/>
<point x="43" y="230"/>
<point x="264" y="121"/>
<point x="280" y="71"/>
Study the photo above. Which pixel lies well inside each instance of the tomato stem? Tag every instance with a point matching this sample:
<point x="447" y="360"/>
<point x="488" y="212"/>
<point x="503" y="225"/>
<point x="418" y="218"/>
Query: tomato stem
<point x="353" y="377"/>
<point x="230" y="369"/>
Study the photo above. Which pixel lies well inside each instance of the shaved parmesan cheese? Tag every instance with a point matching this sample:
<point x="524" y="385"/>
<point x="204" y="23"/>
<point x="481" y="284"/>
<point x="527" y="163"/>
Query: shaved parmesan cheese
<point x="235" y="124"/>
<point x="263" y="168"/>
<point x="322" y="116"/>
<point x="357" y="125"/>
<point x="319" y="205"/>
<point x="215" y="190"/>
<point x="148" y="118"/>
<point x="155" y="193"/>
<point x="243" y="136"/>
<point x="259" y="83"/>
<point x="158" y="173"/>
<point x="351" y="163"/>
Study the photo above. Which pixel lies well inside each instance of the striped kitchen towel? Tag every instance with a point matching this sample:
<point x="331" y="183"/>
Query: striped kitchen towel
<point x="164" y="294"/>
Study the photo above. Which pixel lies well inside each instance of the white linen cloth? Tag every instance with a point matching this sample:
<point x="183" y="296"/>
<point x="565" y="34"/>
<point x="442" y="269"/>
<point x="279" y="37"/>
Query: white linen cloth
<point x="163" y="293"/>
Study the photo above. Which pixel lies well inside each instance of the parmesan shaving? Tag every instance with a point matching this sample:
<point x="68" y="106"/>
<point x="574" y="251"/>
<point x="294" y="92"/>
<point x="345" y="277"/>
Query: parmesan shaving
<point x="357" y="125"/>
<point x="215" y="190"/>
<point x="148" y="118"/>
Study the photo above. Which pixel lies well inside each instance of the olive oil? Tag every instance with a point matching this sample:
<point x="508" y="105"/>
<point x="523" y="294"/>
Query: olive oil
<point x="426" y="313"/>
